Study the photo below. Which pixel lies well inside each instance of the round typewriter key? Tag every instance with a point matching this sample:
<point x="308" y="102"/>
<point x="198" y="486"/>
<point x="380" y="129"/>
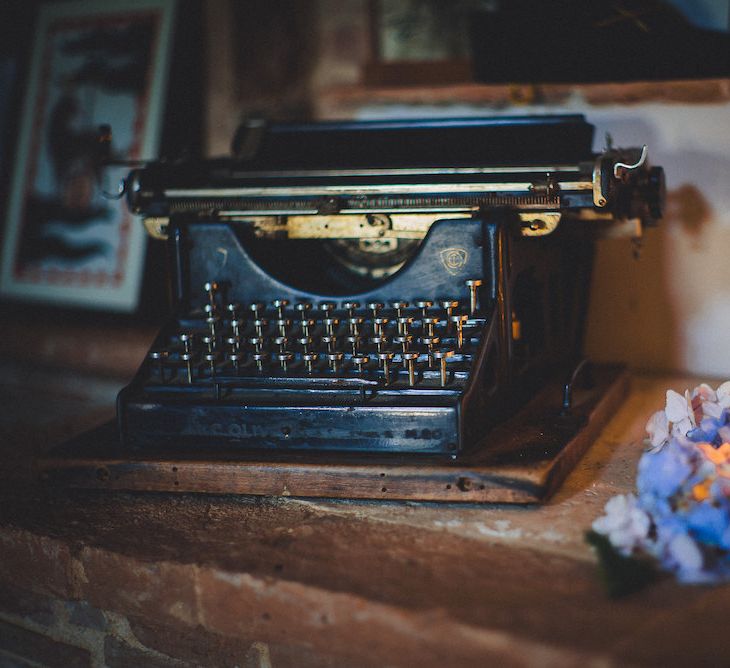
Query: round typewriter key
<point x="354" y="342"/>
<point x="473" y="284"/>
<point x="404" y="341"/>
<point x="280" y="305"/>
<point x="307" y="325"/>
<point x="283" y="324"/>
<point x="424" y="305"/>
<point x="188" y="359"/>
<point x="379" y="342"/>
<point x="330" y="341"/>
<point x="237" y="325"/>
<point x="209" y="341"/>
<point x="330" y="324"/>
<point x="259" y="358"/>
<point x="281" y="341"/>
<point x="257" y="308"/>
<point x="379" y="325"/>
<point x="459" y="320"/>
<point x="305" y="342"/>
<point x="430" y="342"/>
<point x="303" y="308"/>
<point x="327" y="308"/>
<point x="284" y="358"/>
<point x="448" y="305"/>
<point x="257" y="342"/>
<point x="410" y="360"/>
<point x="234" y="342"/>
<point x="429" y="325"/>
<point x="360" y="361"/>
<point x="375" y="307"/>
<point x="385" y="359"/>
<point x="212" y="323"/>
<point x="160" y="356"/>
<point x="235" y="360"/>
<point x="442" y="356"/>
<point x="354" y="325"/>
<point x="399" y="306"/>
<point x="350" y="307"/>
<point x="335" y="359"/>
<point x="211" y="287"/>
<point x="187" y="340"/>
<point x="309" y="360"/>
<point x="403" y="324"/>
<point x="233" y="309"/>
<point x="259" y="326"/>
<point x="212" y="359"/>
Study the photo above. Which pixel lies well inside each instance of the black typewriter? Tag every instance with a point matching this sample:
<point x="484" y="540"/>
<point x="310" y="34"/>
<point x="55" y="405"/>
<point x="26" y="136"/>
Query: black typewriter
<point x="386" y="286"/>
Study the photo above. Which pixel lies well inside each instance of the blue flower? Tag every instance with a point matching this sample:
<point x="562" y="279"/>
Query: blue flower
<point x="708" y="524"/>
<point x="662" y="473"/>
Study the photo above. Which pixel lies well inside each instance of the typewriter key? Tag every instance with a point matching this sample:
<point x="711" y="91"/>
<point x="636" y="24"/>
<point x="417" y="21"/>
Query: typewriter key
<point x="309" y="360"/>
<point x="448" y="305"/>
<point x="459" y="320"/>
<point x="212" y="323"/>
<point x="305" y="342"/>
<point x="404" y="341"/>
<point x="375" y="307"/>
<point x="350" y="307"/>
<point x="307" y="325"/>
<point x="473" y="285"/>
<point x="385" y="359"/>
<point x="442" y="356"/>
<point x="188" y="359"/>
<point x="280" y="305"/>
<point x="399" y="306"/>
<point x="257" y="308"/>
<point x="424" y="305"/>
<point x="283" y="324"/>
<point x="330" y="324"/>
<point x="354" y="325"/>
<point x="327" y="308"/>
<point x="260" y="325"/>
<point x="234" y="342"/>
<point x="211" y="287"/>
<point x="334" y="360"/>
<point x="187" y="340"/>
<point x="430" y="342"/>
<point x="212" y="359"/>
<point x="284" y="358"/>
<point x="410" y="360"/>
<point x="360" y="361"/>
<point x="330" y="341"/>
<point x="403" y="324"/>
<point x="354" y="342"/>
<point x="378" y="342"/>
<point x="281" y="341"/>
<point x="429" y="325"/>
<point x="234" y="309"/>
<point x="259" y="358"/>
<point x="235" y="360"/>
<point x="379" y="325"/>
<point x="160" y="356"/>
<point x="210" y="342"/>
<point x="257" y="342"/>
<point x="237" y="326"/>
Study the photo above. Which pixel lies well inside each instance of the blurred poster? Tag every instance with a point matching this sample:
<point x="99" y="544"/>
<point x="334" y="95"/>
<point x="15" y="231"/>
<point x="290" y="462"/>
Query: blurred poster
<point x="93" y="63"/>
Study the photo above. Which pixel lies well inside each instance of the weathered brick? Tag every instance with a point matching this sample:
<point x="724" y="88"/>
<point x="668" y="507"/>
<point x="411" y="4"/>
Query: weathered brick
<point x="44" y="650"/>
<point x="24" y="603"/>
<point x="118" y="654"/>
<point x="150" y="590"/>
<point x="38" y="563"/>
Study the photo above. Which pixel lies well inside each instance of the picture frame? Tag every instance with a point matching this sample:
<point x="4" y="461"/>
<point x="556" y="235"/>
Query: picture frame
<point x="67" y="241"/>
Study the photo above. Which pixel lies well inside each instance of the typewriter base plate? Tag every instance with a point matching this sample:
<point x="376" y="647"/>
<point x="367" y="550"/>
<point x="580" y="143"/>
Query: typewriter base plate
<point x="523" y="460"/>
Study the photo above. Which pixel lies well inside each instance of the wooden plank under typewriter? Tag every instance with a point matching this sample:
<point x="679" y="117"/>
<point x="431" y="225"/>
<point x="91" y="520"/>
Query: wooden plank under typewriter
<point x="523" y="460"/>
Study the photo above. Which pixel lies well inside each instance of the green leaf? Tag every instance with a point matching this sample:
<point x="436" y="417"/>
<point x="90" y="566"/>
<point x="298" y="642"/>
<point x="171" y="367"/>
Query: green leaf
<point x="621" y="575"/>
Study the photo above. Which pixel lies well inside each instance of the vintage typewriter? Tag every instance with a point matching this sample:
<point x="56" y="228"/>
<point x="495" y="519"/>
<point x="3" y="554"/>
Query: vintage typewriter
<point x="385" y="286"/>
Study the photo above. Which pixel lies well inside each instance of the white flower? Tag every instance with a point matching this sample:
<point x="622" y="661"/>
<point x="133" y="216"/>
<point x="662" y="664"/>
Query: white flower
<point x="705" y="393"/>
<point x="625" y="524"/>
<point x="658" y="430"/>
<point x="679" y="412"/>
<point x="723" y="394"/>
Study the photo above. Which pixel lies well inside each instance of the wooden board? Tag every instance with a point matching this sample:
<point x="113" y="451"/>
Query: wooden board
<point x="523" y="460"/>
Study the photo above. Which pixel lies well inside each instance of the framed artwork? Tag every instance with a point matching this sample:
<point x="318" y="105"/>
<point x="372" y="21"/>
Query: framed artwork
<point x="66" y="242"/>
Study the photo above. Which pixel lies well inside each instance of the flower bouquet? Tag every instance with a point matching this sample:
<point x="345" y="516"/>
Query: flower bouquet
<point x="679" y="519"/>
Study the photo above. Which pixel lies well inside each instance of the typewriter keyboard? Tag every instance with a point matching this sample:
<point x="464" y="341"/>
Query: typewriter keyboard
<point x="423" y="344"/>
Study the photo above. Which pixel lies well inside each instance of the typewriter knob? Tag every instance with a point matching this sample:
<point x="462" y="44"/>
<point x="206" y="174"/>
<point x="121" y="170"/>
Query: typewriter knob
<point x="284" y="358"/>
<point x="378" y="342"/>
<point x="459" y="321"/>
<point x="375" y="307"/>
<point x="330" y="324"/>
<point x="403" y="324"/>
<point x="281" y="341"/>
<point x="410" y="360"/>
<point x="424" y="305"/>
<point x="448" y="305"/>
<point x="234" y="309"/>
<point x="283" y="324"/>
<point x="430" y="342"/>
<point x="335" y="359"/>
<point x="234" y="342"/>
<point x="429" y="325"/>
<point x="212" y="359"/>
<point x="403" y="340"/>
<point x="360" y="361"/>
<point x="327" y="308"/>
<point x="350" y="307"/>
<point x="235" y="359"/>
<point x="305" y="342"/>
<point x="309" y="360"/>
<point x="257" y="342"/>
<point x="385" y="358"/>
<point x="354" y="324"/>
<point x="187" y="340"/>
<point x="442" y="356"/>
<point x="354" y="342"/>
<point x="211" y="288"/>
<point x="280" y="305"/>
<point x="259" y="357"/>
<point x="330" y="341"/>
<point x="399" y="306"/>
<point x="159" y="356"/>
<point x="307" y="324"/>
<point x="473" y="284"/>
<point x="209" y="341"/>
<point x="256" y="308"/>
<point x="260" y="325"/>
<point x="379" y="325"/>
